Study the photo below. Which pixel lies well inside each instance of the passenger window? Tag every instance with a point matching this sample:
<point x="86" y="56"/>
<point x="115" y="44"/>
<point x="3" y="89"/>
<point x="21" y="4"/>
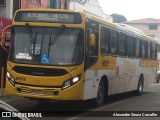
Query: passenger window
<point x="144" y="49"/>
<point x="122" y="44"/>
<point x="114" y="42"/>
<point x="149" y="50"/>
<point x="105" y="41"/>
<point x="137" y="50"/>
<point x="154" y="49"/>
<point x="131" y="46"/>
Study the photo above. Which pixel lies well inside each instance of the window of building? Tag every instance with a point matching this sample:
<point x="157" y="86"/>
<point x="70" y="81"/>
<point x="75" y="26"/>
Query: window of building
<point x="35" y="1"/>
<point x="54" y="4"/>
<point x="2" y="2"/>
<point x="153" y="26"/>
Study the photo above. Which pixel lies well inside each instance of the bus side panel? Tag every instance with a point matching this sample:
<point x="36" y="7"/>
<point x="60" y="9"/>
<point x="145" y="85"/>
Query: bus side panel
<point x="128" y="73"/>
<point x="90" y="85"/>
<point x="148" y="68"/>
<point x="9" y="87"/>
<point x="123" y="78"/>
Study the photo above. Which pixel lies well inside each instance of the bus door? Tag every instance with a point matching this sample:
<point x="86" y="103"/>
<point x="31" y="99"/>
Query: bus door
<point x="91" y="48"/>
<point x="91" y="57"/>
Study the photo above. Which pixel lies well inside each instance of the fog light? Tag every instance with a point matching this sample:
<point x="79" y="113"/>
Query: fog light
<point x="18" y="89"/>
<point x="56" y="93"/>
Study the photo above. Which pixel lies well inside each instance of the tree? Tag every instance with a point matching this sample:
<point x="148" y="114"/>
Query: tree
<point x="117" y="18"/>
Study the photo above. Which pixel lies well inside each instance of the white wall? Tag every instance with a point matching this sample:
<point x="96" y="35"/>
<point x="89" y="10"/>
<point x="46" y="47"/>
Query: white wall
<point x="92" y="7"/>
<point x="7" y="11"/>
<point x="3" y="12"/>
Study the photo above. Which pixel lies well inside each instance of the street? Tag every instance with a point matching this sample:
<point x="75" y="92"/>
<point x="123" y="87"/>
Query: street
<point x="148" y="101"/>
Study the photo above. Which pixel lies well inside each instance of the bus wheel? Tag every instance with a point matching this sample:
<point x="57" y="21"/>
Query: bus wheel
<point x="139" y="90"/>
<point x="100" y="94"/>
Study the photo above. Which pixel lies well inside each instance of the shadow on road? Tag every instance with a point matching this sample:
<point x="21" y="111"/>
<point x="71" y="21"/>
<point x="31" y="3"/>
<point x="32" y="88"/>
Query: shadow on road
<point x="74" y="108"/>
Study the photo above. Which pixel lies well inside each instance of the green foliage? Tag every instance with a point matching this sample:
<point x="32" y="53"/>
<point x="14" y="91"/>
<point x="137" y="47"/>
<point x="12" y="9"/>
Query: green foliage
<point x="117" y="18"/>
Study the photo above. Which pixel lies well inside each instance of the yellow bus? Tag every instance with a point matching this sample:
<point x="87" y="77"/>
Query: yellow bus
<point x="158" y="63"/>
<point x="64" y="55"/>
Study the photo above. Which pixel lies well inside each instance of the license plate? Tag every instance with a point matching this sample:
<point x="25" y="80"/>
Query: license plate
<point x="37" y="91"/>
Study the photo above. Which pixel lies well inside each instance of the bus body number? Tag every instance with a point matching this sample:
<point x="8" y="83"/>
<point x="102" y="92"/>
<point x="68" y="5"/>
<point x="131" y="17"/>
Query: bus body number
<point x="20" y="78"/>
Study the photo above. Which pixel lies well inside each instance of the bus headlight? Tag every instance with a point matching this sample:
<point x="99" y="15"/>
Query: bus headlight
<point x="70" y="82"/>
<point x="10" y="78"/>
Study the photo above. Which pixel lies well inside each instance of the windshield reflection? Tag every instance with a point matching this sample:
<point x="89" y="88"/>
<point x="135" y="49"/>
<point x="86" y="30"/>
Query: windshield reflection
<point x="66" y="50"/>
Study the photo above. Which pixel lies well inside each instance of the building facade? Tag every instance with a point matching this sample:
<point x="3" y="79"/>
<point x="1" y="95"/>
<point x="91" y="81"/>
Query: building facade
<point x="88" y="6"/>
<point x="34" y="4"/>
<point x="149" y="26"/>
<point x="8" y="7"/>
<point x="7" y="10"/>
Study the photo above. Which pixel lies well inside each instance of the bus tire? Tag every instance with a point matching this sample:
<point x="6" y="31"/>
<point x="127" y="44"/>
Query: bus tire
<point x="140" y="86"/>
<point x="99" y="100"/>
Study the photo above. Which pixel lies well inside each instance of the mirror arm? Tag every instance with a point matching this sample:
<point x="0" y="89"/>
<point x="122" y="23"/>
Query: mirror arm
<point x="3" y="39"/>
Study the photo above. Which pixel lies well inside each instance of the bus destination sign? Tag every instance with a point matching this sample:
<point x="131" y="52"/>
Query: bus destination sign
<point x="55" y="17"/>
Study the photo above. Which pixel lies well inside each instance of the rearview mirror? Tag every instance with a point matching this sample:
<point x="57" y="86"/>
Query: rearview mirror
<point x="6" y="36"/>
<point x="3" y="38"/>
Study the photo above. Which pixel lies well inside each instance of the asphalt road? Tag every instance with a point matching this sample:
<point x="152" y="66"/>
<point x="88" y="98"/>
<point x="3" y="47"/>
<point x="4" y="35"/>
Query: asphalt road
<point x="128" y="103"/>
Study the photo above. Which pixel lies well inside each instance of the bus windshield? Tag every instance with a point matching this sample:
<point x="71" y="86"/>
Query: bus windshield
<point x="34" y="45"/>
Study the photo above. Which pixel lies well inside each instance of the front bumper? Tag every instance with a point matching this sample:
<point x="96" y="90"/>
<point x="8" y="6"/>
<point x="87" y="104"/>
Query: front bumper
<point x="74" y="92"/>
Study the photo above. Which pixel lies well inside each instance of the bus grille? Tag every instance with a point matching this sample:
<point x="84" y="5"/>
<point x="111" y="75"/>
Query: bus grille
<point x="27" y="90"/>
<point x="39" y="71"/>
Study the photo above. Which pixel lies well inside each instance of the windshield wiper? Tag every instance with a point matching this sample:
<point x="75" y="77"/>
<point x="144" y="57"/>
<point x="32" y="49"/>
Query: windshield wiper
<point x="55" y="38"/>
<point x="34" y="42"/>
<point x="30" y="33"/>
<point x="32" y="38"/>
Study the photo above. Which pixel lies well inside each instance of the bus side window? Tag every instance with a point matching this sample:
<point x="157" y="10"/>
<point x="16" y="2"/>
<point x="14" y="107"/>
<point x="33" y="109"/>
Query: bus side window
<point x="140" y="48"/>
<point x="137" y="48"/>
<point x="122" y="44"/>
<point x="149" y="50"/>
<point x="105" y="41"/>
<point x="94" y="49"/>
<point x="154" y="49"/>
<point x="131" y="46"/>
<point x="114" y="42"/>
<point x="158" y="51"/>
<point x="91" y="56"/>
<point x="144" y="48"/>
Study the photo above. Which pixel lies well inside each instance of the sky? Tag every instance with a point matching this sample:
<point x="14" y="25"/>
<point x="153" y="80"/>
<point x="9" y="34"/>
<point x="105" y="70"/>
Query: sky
<point x="132" y="9"/>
